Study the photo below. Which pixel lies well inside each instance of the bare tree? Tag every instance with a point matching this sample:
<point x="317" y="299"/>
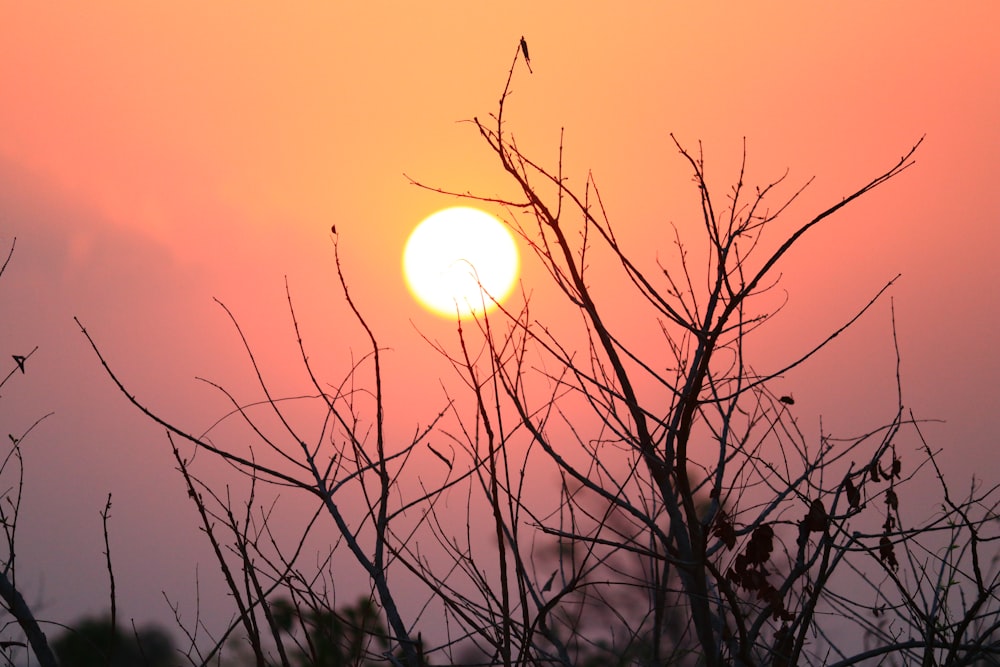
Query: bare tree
<point x="12" y="470"/>
<point x="338" y="458"/>
<point x="782" y="543"/>
<point x="693" y="521"/>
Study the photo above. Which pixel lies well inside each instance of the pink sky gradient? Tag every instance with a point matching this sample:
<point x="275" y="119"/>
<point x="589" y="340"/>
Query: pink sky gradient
<point x="154" y="158"/>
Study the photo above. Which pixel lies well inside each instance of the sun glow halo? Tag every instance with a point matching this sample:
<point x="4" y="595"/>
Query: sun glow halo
<point x="458" y="260"/>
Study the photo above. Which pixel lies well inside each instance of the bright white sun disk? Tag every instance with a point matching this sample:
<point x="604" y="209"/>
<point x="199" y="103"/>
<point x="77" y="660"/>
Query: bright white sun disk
<point x="459" y="260"/>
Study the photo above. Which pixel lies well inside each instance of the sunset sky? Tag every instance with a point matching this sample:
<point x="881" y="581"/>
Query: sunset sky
<point x="153" y="158"/>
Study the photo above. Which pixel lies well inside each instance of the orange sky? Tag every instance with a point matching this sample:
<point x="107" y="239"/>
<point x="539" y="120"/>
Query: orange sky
<point x="151" y="159"/>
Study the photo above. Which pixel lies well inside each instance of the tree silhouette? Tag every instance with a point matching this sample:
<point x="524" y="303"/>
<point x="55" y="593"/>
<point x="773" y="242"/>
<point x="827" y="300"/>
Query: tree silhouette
<point x="96" y="642"/>
<point x="693" y="521"/>
<point x="12" y="472"/>
<point x="336" y="638"/>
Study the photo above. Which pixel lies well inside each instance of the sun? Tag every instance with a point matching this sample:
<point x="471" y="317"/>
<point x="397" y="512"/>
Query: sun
<point x="460" y="261"/>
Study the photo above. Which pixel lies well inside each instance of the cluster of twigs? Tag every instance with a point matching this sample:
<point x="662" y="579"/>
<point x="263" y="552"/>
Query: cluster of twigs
<point x="12" y="466"/>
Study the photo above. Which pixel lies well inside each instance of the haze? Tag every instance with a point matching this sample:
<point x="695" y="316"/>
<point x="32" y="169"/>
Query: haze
<point x="152" y="158"/>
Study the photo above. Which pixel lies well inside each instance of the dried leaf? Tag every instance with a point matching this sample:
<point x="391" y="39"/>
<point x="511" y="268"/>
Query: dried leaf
<point x="740" y="566"/>
<point x="853" y="494"/>
<point x="891" y="499"/>
<point x="817" y="520"/>
<point x="723" y="529"/>
<point x="777" y="605"/>
<point x="761" y="544"/>
<point x="887" y="553"/>
<point x="754" y="580"/>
